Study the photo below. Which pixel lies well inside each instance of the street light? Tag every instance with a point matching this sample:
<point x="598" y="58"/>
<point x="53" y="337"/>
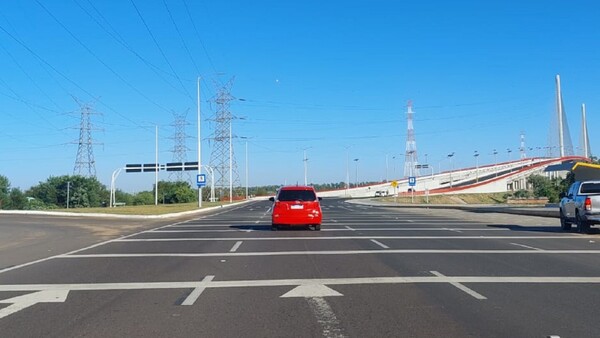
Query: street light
<point x="476" y="155"/>
<point x="305" y="168"/>
<point x="508" y="151"/>
<point x="496" y="161"/>
<point x="356" y="179"/>
<point x="451" y="167"/>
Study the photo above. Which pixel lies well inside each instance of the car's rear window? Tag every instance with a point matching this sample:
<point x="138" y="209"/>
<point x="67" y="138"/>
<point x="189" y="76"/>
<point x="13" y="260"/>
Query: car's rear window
<point x="297" y="195"/>
<point x="590" y="188"/>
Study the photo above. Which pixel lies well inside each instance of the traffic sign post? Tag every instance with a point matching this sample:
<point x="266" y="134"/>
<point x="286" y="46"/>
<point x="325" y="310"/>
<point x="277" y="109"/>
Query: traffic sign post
<point x="412" y="181"/>
<point x="201" y="180"/>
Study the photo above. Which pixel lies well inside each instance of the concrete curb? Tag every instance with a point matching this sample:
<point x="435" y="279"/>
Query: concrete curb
<point x="482" y="208"/>
<point x="118" y="216"/>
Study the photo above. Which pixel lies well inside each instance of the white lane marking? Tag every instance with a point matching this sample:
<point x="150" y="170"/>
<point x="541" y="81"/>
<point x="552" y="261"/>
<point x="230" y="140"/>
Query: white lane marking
<point x="311" y="290"/>
<point x="298" y="282"/>
<point x="14" y="267"/>
<point x="230" y="224"/>
<point x="329" y="229"/>
<point x="453" y="230"/>
<point x="380" y="244"/>
<point x="333" y="252"/>
<point x="526" y="246"/>
<point x="22" y="302"/>
<point x="184" y="239"/>
<point x="330" y="324"/>
<point x="410" y="221"/>
<point x="349" y="228"/>
<point x="236" y="246"/>
<point x="461" y="287"/>
<point x="193" y="296"/>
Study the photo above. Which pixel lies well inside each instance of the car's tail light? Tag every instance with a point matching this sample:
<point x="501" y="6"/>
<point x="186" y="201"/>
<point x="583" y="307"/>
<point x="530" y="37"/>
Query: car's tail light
<point x="588" y="204"/>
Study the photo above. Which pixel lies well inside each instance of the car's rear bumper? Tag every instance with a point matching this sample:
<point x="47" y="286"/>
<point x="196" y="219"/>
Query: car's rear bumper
<point x="297" y="220"/>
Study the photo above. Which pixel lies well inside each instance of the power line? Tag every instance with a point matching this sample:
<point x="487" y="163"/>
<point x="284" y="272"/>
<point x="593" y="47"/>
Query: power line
<point x="99" y="59"/>
<point x="120" y="40"/>
<point x="43" y="61"/>
<point x="181" y="37"/>
<point x="199" y="37"/>
<point x="160" y="49"/>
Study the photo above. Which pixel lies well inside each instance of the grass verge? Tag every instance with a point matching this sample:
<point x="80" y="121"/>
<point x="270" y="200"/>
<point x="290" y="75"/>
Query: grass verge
<point x="160" y="209"/>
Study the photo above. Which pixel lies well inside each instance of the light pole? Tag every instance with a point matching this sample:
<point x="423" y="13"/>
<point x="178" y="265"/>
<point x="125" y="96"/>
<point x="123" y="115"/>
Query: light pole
<point x="476" y="155"/>
<point x="508" y="151"/>
<point x="156" y="172"/>
<point x="356" y="178"/>
<point x="394" y="160"/>
<point x="305" y="160"/>
<point x="199" y="146"/>
<point x="386" y="168"/>
<point x="68" y="192"/>
<point x="246" y="169"/>
<point x="496" y="161"/>
<point x="451" y="167"/>
<point x="230" y="165"/>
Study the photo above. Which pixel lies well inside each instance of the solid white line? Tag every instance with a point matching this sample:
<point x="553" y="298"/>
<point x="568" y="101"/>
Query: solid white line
<point x="462" y="287"/>
<point x="298" y="282"/>
<point x="526" y="246"/>
<point x="380" y="244"/>
<point x="193" y="296"/>
<point x="330" y="325"/>
<point x="332" y="252"/>
<point x="235" y="246"/>
<point x="184" y="239"/>
<point x="329" y="229"/>
<point x="410" y="221"/>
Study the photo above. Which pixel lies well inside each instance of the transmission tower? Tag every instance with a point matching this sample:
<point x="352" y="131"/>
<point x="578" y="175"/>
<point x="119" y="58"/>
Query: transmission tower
<point x="85" y="164"/>
<point x="180" y="148"/>
<point x="522" y="147"/>
<point x="222" y="158"/>
<point x="410" y="159"/>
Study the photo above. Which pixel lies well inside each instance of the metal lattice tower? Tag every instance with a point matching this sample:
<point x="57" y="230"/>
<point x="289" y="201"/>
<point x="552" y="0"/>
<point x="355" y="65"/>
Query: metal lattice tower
<point x="410" y="158"/>
<point x="522" y="147"/>
<point x="222" y="157"/>
<point x="85" y="164"/>
<point x="180" y="148"/>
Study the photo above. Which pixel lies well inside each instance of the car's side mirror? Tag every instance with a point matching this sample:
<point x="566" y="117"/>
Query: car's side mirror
<point x="562" y="195"/>
<point x="320" y="198"/>
<point x="272" y="199"/>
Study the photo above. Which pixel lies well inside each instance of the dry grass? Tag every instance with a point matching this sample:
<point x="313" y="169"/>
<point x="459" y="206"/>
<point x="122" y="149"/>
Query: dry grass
<point x="145" y="209"/>
<point x="495" y="198"/>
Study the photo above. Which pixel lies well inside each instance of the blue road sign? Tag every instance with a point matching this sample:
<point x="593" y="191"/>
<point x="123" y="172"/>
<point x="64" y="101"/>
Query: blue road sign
<point x="412" y="181"/>
<point x="201" y="180"/>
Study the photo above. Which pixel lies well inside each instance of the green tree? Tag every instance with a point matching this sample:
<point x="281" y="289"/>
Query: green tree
<point x="4" y="191"/>
<point x="17" y="199"/>
<point x="83" y="192"/>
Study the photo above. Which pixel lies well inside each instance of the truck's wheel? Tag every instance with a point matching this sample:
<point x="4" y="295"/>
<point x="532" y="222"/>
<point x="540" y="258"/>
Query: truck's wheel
<point x="582" y="226"/>
<point x="564" y="225"/>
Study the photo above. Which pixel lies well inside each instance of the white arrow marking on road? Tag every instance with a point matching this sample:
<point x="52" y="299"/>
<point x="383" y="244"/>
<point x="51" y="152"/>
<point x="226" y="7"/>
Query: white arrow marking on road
<point x="311" y="291"/>
<point x="22" y="302"/>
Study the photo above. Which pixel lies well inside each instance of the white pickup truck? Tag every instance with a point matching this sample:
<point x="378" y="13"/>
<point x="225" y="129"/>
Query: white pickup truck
<point x="580" y="205"/>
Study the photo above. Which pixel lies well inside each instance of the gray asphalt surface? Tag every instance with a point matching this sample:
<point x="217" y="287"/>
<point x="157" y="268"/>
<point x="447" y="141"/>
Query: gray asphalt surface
<point x="370" y="272"/>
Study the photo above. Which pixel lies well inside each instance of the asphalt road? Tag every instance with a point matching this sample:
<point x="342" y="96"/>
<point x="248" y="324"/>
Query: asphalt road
<point x="370" y="272"/>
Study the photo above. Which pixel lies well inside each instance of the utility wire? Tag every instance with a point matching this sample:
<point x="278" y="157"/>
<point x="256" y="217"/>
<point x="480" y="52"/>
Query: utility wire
<point x="99" y="59"/>
<point x="160" y="49"/>
<point x="37" y="56"/>
<point x="119" y="39"/>
<point x="199" y="37"/>
<point x="181" y="37"/>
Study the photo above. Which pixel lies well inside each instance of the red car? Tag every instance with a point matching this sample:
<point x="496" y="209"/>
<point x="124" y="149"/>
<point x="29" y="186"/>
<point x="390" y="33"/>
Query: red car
<point x="296" y="205"/>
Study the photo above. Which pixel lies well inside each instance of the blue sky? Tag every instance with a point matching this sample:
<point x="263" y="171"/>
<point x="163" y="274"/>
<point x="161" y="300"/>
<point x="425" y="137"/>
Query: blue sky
<point x="328" y="76"/>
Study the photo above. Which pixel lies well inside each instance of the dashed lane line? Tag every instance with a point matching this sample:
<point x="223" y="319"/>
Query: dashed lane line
<point x="461" y="287"/>
<point x="528" y="247"/>
<point x="380" y="244"/>
<point x="236" y="246"/>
